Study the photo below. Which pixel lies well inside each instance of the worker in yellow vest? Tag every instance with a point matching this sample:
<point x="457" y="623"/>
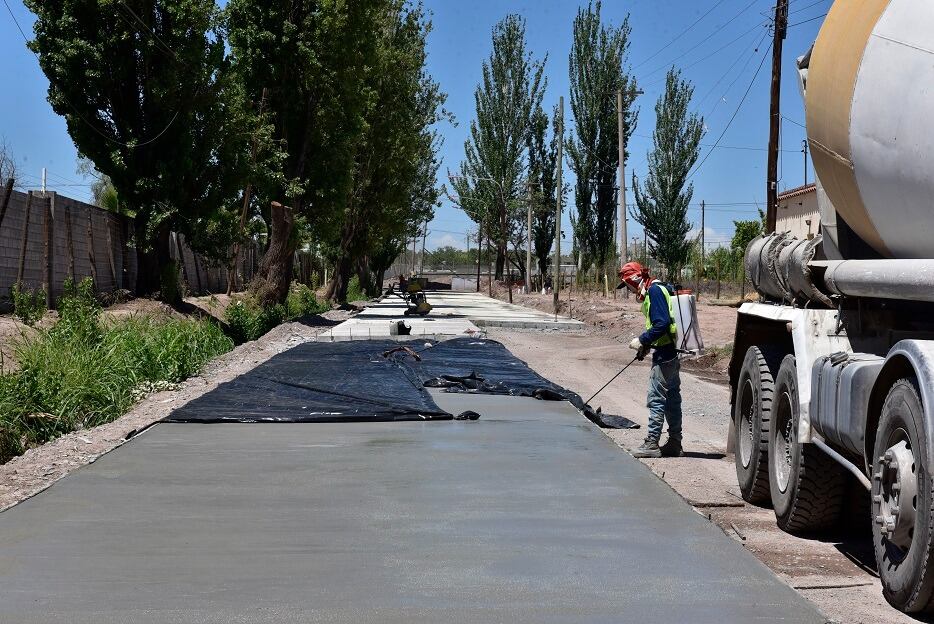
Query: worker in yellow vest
<point x="664" y="398"/>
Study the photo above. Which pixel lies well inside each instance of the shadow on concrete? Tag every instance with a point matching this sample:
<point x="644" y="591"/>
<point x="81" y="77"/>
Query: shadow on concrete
<point x="316" y="320"/>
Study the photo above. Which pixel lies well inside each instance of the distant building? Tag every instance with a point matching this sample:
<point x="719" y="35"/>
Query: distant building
<point x="797" y="212"/>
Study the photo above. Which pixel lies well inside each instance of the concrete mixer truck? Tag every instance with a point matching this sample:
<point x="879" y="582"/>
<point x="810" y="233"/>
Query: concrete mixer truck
<point x="832" y="374"/>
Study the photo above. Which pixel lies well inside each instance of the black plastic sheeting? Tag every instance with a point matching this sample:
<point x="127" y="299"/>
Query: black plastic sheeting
<point x="375" y="380"/>
<point x="319" y="382"/>
<point x="487" y="367"/>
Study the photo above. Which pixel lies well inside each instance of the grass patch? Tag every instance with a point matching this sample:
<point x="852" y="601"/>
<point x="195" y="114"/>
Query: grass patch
<point x="84" y="372"/>
<point x="354" y="291"/>
<point x="248" y="320"/>
<point x="28" y="306"/>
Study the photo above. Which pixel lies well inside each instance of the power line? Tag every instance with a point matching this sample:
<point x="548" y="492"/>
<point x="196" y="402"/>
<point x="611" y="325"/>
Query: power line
<point x="681" y="34"/>
<point x="75" y="108"/>
<point x="708" y="38"/>
<point x="735" y="113"/>
<point x="729" y="88"/>
<point x="804" y="8"/>
<point x="807" y="20"/>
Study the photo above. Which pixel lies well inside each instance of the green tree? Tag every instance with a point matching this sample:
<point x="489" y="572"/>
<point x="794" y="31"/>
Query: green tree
<point x="395" y="174"/>
<point x="662" y="203"/>
<point x="597" y="72"/>
<point x="743" y="233"/>
<point x="139" y="85"/>
<point x="313" y="58"/>
<point x="543" y="159"/>
<point x="511" y="90"/>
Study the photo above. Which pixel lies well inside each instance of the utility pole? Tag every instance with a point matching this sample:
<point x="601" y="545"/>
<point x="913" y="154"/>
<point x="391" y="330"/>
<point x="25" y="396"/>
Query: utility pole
<point x="804" y="150"/>
<point x="421" y="271"/>
<point x="557" y="268"/>
<point x="479" y="252"/>
<point x="780" y="29"/>
<point x="622" y="183"/>
<point x="700" y="273"/>
<point x="528" y="250"/>
<point x="43" y="181"/>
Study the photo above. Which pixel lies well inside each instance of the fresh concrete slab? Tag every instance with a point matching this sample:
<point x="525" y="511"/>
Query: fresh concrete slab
<point x="453" y="314"/>
<point x="529" y="514"/>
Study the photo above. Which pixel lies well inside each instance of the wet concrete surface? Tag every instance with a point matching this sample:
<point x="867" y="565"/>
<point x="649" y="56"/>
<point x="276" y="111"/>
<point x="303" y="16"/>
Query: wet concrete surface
<point x="528" y="515"/>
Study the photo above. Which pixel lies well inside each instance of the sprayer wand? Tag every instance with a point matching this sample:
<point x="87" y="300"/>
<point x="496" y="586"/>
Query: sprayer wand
<point x="613" y="379"/>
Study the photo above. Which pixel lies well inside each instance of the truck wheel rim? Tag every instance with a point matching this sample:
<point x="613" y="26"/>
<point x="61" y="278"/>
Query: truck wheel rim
<point x="785" y="439"/>
<point x="896" y="498"/>
<point x="746" y="432"/>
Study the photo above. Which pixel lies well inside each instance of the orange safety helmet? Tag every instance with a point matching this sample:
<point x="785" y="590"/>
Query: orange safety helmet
<point x="635" y="275"/>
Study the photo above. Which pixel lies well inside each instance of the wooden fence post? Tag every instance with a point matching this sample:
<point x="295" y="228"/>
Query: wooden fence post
<point x="22" y="246"/>
<point x="110" y="254"/>
<point x="90" y="239"/>
<point x="718" y="277"/>
<point x="47" y="226"/>
<point x="69" y="242"/>
<point x="7" y="193"/>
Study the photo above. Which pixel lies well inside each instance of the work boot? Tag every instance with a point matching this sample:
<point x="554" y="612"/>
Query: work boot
<point x="672" y="448"/>
<point x="649" y="448"/>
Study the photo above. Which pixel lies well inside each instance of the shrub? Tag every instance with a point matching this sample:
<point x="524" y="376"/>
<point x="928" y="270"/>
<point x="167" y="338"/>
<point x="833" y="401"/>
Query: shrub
<point x="249" y="321"/>
<point x="28" y="306"/>
<point x="354" y="292"/>
<point x="83" y="372"/>
<point x="301" y="301"/>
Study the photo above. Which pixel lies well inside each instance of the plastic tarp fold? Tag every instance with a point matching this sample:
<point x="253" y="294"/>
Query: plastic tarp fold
<point x="319" y="382"/>
<point x="375" y="380"/>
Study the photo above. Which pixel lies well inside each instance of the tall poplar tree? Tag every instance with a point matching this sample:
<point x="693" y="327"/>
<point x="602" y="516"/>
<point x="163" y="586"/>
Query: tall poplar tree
<point x="662" y="202"/>
<point x="597" y="72"/>
<point x="543" y="159"/>
<point x="139" y="84"/>
<point x="491" y="176"/>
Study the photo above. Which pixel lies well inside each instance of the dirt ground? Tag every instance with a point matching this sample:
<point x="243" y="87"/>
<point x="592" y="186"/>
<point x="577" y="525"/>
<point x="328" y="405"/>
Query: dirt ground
<point x="834" y="571"/>
<point x="37" y="469"/>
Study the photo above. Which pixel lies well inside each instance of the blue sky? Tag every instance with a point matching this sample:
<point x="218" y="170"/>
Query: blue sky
<point x="663" y="32"/>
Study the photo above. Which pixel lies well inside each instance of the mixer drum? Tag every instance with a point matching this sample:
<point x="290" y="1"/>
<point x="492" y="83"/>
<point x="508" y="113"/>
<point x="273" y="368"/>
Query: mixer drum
<point x="870" y="121"/>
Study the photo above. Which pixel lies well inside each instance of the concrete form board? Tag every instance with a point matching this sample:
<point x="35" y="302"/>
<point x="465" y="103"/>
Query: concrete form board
<point x="528" y="515"/>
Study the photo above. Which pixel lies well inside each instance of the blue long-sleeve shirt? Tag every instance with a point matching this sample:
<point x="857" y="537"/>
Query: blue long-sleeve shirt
<point x="660" y="319"/>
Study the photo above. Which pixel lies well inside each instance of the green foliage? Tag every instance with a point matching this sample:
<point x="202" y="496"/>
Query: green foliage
<point x="597" y="72"/>
<point x="249" y="321"/>
<point x="354" y="291"/>
<point x="490" y="184"/>
<point x="662" y="203"/>
<point x="28" y="305"/>
<point x="743" y="234"/>
<point x="141" y="86"/>
<point x="302" y="301"/>
<point x="84" y="372"/>
<point x="543" y="159"/>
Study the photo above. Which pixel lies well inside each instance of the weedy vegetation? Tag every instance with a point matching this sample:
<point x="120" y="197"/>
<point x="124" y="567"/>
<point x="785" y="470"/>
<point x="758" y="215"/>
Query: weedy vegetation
<point x="248" y="320"/>
<point x="85" y="371"/>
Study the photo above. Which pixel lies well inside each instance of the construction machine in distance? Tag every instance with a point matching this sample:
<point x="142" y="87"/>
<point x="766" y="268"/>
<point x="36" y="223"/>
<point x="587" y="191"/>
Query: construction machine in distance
<point x="832" y="374"/>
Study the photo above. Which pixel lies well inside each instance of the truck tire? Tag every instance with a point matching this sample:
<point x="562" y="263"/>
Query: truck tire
<point x="807" y="486"/>
<point x="903" y="536"/>
<point x="751" y="409"/>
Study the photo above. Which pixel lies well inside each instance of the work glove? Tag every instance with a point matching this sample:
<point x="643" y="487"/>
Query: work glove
<point x="640" y="349"/>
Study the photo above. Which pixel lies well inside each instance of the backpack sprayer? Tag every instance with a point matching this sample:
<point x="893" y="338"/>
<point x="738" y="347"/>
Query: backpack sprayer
<point x="687" y="338"/>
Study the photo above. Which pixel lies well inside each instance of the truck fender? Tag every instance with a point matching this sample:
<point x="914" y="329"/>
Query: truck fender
<point x="907" y="358"/>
